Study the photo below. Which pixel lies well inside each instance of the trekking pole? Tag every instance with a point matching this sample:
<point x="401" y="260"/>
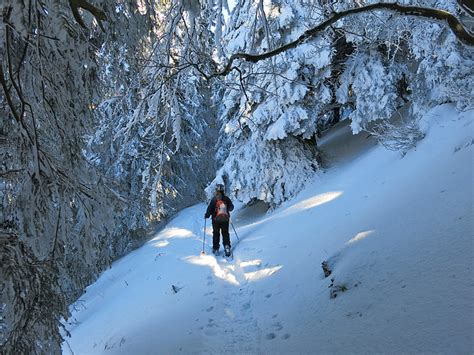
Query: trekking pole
<point x="204" y="237"/>
<point x="232" y="224"/>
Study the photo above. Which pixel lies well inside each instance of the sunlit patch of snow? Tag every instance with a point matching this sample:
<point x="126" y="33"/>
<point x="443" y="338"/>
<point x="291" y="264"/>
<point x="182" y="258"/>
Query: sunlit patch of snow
<point x="256" y="262"/>
<point x="211" y="262"/>
<point x="161" y="244"/>
<point x="360" y="236"/>
<point x="262" y="274"/>
<point x="313" y="202"/>
<point x="174" y="232"/>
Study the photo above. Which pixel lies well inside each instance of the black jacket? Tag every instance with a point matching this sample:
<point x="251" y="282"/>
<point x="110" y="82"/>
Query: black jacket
<point x="211" y="209"/>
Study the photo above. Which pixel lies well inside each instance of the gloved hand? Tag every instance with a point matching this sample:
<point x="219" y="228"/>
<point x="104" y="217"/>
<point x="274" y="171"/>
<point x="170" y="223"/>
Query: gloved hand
<point x="206" y="216"/>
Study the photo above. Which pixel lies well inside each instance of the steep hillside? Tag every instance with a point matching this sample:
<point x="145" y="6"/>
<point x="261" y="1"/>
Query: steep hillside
<point x="397" y="234"/>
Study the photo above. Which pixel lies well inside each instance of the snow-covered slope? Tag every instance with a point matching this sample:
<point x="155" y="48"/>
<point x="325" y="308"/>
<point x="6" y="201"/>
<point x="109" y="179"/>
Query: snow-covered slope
<point x="397" y="234"/>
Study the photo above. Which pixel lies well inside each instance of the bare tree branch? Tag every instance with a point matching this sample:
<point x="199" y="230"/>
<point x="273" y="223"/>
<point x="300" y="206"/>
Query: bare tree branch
<point x="467" y="5"/>
<point x="83" y="4"/>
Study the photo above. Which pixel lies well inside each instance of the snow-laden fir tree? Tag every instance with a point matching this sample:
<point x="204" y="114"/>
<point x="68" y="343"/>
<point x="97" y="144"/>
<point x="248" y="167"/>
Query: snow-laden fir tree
<point x="56" y="212"/>
<point x="402" y="61"/>
<point x="153" y="139"/>
<point x="271" y="109"/>
<point x="366" y="68"/>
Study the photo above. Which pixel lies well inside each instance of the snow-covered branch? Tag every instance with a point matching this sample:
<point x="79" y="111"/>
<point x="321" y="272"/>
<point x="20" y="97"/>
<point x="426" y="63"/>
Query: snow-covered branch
<point x="434" y="14"/>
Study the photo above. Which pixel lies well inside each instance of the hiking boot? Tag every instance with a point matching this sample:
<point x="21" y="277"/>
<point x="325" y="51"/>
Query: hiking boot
<point x="227" y="250"/>
<point x="215" y="251"/>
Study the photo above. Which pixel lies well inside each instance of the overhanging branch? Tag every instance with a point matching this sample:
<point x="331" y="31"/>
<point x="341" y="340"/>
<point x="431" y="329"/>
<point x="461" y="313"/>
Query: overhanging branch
<point x="439" y="15"/>
<point x="83" y="4"/>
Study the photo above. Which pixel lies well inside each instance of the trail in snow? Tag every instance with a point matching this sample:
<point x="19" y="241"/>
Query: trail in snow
<point x="397" y="233"/>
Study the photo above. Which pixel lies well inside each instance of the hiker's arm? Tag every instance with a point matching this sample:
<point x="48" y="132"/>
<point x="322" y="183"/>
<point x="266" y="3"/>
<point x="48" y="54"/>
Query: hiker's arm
<point x="210" y="208"/>
<point x="231" y="205"/>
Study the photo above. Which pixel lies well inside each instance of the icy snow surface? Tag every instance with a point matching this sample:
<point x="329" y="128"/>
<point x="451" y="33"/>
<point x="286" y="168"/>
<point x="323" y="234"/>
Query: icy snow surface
<point x="397" y="233"/>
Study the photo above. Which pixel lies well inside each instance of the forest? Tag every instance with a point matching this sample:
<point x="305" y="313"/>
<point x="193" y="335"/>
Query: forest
<point x="117" y="115"/>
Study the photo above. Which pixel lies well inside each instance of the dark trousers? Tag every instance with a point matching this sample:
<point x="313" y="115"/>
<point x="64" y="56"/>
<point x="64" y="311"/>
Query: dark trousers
<point x="220" y="227"/>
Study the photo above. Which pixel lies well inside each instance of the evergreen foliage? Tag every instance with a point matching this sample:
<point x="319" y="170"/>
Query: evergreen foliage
<point x="115" y="115"/>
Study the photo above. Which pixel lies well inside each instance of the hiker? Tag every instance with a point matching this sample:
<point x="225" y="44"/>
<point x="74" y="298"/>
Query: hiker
<point x="219" y="208"/>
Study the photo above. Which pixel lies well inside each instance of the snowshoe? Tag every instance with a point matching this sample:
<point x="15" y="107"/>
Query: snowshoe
<point x="227" y="251"/>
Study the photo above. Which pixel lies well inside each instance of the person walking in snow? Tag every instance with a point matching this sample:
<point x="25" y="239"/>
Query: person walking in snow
<point x="219" y="208"/>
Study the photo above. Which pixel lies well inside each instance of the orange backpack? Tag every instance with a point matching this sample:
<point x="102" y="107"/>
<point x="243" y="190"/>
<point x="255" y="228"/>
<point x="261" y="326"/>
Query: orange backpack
<point x="221" y="214"/>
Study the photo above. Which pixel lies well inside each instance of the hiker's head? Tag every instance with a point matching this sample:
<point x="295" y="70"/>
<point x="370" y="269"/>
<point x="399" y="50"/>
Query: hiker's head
<point x="219" y="190"/>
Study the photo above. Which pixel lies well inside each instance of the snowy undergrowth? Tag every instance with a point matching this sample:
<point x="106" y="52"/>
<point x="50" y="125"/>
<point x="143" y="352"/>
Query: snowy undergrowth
<point x="397" y="234"/>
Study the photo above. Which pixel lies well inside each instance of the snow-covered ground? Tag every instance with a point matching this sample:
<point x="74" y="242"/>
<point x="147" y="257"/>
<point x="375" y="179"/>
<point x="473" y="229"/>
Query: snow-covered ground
<point x="397" y="233"/>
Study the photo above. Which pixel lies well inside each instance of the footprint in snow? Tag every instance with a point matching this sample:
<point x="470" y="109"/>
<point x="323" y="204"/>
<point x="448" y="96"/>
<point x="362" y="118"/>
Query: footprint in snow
<point x="209" y="309"/>
<point x="285" y="336"/>
<point x="277" y="326"/>
<point x="268" y="295"/>
<point x="210" y="332"/>
<point x="270" y="336"/>
<point x="246" y="306"/>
